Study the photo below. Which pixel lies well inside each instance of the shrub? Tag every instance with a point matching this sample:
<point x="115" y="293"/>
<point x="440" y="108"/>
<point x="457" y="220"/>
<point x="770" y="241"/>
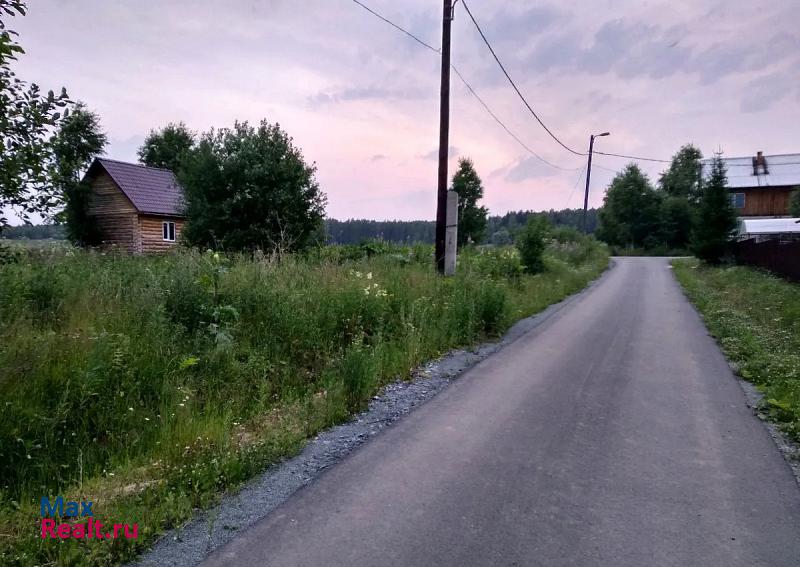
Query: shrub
<point x="495" y="262"/>
<point x="531" y="243"/>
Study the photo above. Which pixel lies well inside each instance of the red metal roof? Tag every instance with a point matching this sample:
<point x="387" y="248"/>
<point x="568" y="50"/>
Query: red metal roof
<point x="151" y="189"/>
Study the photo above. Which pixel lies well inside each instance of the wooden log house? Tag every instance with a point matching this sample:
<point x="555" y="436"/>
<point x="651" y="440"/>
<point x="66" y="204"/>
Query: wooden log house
<point x="761" y="186"/>
<point x="135" y="207"/>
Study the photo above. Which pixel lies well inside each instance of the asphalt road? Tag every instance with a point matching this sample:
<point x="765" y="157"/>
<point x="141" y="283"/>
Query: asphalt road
<point x="613" y="434"/>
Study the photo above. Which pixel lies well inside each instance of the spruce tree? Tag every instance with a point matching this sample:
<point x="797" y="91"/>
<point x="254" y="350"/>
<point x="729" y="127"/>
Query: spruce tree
<point x="471" y="217"/>
<point x="716" y="218"/>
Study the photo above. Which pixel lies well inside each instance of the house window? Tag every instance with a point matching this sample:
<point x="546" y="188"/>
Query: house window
<point x="168" y="230"/>
<point x="737" y="200"/>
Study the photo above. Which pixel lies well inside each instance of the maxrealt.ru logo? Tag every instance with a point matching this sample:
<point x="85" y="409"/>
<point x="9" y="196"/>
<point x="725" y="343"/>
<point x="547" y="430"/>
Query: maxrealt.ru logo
<point x="71" y="510"/>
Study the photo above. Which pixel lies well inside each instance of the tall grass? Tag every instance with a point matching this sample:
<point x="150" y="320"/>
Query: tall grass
<point x="152" y="384"/>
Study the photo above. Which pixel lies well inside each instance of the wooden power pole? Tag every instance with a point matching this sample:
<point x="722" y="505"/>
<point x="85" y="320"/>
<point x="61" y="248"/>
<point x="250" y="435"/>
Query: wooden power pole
<point x="444" y="139"/>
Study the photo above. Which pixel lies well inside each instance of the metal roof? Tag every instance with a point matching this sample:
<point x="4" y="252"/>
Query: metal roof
<point x="151" y="189"/>
<point x="768" y="226"/>
<point x="784" y="170"/>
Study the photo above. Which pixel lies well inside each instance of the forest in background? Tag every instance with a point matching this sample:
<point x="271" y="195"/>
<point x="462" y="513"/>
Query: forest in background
<point x="499" y="228"/>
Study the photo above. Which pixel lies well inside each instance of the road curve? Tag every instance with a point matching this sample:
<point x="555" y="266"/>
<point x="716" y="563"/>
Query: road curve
<point x="613" y="434"/>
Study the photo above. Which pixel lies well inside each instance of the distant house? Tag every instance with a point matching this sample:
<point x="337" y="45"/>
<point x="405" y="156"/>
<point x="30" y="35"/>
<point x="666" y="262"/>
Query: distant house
<point x="760" y="185"/>
<point x="136" y="207"/>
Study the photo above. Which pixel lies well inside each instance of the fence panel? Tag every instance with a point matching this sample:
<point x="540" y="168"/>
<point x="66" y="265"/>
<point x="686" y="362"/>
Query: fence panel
<point x="783" y="258"/>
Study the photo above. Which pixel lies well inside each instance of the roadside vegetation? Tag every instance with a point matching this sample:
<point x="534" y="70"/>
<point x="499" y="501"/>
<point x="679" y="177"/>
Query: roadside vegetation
<point x="150" y="385"/>
<point x="755" y="317"/>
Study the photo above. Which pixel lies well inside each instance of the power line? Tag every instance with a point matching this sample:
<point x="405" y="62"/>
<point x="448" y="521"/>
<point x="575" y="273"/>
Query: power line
<point x="469" y="88"/>
<point x="486" y="106"/>
<point x="633" y="157"/>
<point x="536" y="116"/>
<point x="513" y="84"/>
<point x="510" y="133"/>
<point x="574" y="187"/>
<point x="394" y="25"/>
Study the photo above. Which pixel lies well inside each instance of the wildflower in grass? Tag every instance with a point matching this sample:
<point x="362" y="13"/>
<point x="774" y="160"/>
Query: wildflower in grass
<point x="369" y="276"/>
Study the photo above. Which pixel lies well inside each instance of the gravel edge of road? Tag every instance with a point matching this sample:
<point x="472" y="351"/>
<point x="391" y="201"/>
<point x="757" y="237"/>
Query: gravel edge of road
<point x="754" y="398"/>
<point x="789" y="449"/>
<point x="237" y="511"/>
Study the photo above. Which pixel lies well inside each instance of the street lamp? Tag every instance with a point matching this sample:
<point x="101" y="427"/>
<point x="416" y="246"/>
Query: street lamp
<point x="589" y="176"/>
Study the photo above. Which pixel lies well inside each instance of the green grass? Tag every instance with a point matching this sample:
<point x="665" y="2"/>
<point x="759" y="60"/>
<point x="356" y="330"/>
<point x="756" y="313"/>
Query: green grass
<point x="755" y="317"/>
<point x="151" y="385"/>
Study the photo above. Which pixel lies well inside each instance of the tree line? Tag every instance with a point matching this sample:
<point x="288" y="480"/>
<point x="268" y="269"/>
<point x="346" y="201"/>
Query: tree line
<point x="500" y="229"/>
<point x="683" y="211"/>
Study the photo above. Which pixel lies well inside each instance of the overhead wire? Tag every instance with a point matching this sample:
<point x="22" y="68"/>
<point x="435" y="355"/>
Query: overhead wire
<point x="530" y="108"/>
<point x="638" y="158"/>
<point x="469" y="87"/>
<point x="513" y="84"/>
<point x="574" y="187"/>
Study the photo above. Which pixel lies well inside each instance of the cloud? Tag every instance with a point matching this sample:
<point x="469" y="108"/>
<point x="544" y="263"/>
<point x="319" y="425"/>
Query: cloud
<point x="513" y="26"/>
<point x="763" y="92"/>
<point x="354" y="94"/>
<point x="523" y="169"/>
<point x="630" y="48"/>
<point x="378" y="157"/>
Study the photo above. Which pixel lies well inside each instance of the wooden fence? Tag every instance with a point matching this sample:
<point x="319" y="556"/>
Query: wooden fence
<point x="782" y="258"/>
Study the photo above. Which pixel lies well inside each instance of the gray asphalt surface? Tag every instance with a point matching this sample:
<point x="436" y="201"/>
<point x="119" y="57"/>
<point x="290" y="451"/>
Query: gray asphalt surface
<point x="612" y="434"/>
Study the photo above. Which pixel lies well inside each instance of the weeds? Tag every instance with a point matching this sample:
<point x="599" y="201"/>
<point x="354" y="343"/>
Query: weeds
<point x="150" y="385"/>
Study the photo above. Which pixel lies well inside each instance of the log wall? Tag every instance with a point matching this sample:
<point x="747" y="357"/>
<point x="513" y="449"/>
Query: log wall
<point x="766" y="202"/>
<point x="150" y="229"/>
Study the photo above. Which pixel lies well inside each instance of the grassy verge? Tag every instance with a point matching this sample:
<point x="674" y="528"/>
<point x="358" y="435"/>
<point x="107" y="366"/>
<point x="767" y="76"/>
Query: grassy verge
<point x="152" y="385"/>
<point x="756" y="319"/>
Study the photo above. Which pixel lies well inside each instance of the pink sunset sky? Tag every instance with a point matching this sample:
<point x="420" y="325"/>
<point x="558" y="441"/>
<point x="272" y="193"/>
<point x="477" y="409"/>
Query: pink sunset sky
<point x="361" y="99"/>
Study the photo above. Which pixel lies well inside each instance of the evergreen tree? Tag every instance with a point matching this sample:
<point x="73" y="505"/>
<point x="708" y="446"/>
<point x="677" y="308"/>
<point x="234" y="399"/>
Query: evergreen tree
<point x="249" y="187"/>
<point x="716" y="219"/>
<point x="79" y="140"/>
<point x="630" y="215"/>
<point x="471" y="217"/>
<point x="167" y="148"/>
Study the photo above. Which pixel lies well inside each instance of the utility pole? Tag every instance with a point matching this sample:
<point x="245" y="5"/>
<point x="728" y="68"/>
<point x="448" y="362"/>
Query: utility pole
<point x="444" y="139"/>
<point x="588" y="178"/>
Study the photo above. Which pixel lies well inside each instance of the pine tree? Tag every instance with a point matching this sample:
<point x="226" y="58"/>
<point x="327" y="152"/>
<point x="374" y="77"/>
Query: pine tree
<point x="471" y="217"/>
<point x="716" y="219"/>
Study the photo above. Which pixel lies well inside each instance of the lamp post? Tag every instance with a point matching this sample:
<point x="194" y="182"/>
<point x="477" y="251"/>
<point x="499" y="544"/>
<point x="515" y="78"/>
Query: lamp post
<point x="589" y="176"/>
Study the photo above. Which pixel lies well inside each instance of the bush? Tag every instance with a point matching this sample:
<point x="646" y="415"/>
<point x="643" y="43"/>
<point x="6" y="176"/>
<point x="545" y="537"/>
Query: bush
<point x="531" y="243"/>
<point x="495" y="262"/>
